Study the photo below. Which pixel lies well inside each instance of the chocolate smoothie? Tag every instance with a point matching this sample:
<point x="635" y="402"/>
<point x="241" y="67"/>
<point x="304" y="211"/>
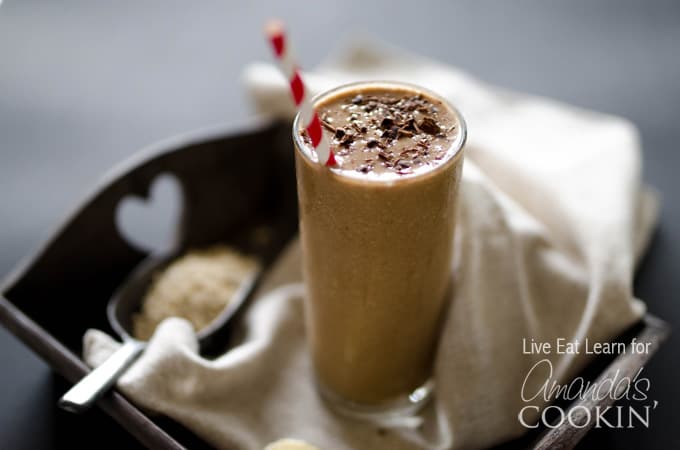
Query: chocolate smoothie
<point x="377" y="237"/>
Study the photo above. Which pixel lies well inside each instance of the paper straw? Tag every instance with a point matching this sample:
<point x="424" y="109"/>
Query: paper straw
<point x="309" y="116"/>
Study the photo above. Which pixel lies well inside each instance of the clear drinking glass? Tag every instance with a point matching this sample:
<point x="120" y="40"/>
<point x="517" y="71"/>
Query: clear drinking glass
<point x="377" y="265"/>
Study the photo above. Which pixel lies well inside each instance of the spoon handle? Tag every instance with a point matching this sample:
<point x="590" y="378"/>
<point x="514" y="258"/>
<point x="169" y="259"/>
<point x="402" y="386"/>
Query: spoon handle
<point x="83" y="395"/>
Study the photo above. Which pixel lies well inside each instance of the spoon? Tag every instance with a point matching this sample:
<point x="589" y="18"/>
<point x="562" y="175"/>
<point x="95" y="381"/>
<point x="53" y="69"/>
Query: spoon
<point x="120" y="309"/>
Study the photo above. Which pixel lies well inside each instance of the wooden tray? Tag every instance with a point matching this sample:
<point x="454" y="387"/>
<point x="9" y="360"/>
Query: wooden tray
<point x="233" y="182"/>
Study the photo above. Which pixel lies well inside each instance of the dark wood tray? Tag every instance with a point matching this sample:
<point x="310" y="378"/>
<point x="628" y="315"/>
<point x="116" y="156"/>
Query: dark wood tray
<point x="233" y="182"/>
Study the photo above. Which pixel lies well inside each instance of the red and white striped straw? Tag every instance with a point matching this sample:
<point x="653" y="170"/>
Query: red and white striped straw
<point x="310" y="119"/>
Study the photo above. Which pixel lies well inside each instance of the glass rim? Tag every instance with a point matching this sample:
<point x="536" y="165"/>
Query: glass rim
<point x="453" y="152"/>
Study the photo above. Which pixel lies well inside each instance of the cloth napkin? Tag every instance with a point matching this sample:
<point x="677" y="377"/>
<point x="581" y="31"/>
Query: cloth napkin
<point x="553" y="217"/>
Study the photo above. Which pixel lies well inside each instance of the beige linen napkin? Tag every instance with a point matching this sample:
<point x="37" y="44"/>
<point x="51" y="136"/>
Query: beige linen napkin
<point x="552" y="220"/>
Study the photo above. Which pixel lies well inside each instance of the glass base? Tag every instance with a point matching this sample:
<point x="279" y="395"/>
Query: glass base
<point x="390" y="411"/>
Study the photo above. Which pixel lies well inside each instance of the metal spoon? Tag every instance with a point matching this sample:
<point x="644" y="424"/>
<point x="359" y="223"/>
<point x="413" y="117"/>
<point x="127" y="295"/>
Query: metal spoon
<point x="120" y="309"/>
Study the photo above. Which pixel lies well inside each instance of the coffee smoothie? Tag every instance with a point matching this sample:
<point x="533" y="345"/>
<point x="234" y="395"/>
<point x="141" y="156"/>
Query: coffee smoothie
<point x="377" y="238"/>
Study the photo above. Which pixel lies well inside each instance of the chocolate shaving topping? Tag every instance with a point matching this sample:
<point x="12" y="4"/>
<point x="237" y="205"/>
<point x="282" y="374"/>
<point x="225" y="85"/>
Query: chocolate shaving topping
<point x="410" y="125"/>
<point x="328" y="125"/>
<point x="386" y="123"/>
<point x="429" y="126"/>
<point x="386" y="131"/>
<point x="365" y="168"/>
<point x="347" y="140"/>
<point x="391" y="133"/>
<point x="403" y="132"/>
<point x="403" y="164"/>
<point x="370" y="107"/>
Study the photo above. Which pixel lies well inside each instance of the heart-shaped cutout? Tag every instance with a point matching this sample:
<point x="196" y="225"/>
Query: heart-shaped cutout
<point x="152" y="224"/>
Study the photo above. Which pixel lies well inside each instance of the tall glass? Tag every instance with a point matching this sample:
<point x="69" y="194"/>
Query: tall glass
<point x="377" y="265"/>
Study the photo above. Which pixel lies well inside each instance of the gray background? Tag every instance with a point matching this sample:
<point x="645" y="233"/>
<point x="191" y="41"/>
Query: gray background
<point x="84" y="84"/>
